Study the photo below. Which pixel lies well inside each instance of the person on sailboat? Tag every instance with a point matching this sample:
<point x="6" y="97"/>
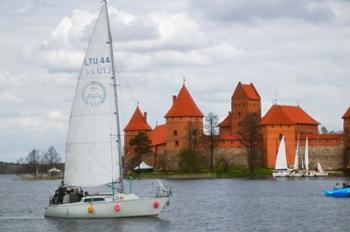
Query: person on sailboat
<point x="62" y="190"/>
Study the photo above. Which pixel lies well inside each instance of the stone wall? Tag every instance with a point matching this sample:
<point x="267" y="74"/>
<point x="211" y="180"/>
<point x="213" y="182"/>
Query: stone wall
<point x="330" y="157"/>
<point x="235" y="156"/>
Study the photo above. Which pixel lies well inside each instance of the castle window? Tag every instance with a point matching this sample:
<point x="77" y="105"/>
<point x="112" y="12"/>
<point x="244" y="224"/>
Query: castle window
<point x="175" y="132"/>
<point x="239" y="114"/>
<point x="176" y="143"/>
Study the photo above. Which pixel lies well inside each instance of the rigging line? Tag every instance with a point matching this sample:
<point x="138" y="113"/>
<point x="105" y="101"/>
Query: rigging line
<point x="94" y="114"/>
<point x="88" y="143"/>
<point x="120" y="70"/>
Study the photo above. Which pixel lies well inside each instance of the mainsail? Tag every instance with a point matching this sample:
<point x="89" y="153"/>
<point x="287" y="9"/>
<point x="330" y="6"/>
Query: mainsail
<point x="281" y="160"/>
<point x="92" y="149"/>
<point x="297" y="155"/>
<point x="306" y="154"/>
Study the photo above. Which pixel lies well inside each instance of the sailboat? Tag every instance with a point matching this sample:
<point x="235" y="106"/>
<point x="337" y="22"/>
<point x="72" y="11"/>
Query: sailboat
<point x="320" y="171"/>
<point x="307" y="172"/>
<point x="281" y="167"/>
<point x="93" y="148"/>
<point x="296" y="172"/>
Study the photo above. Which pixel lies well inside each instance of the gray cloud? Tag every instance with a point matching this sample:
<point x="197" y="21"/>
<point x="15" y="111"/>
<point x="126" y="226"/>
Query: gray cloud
<point x="237" y="11"/>
<point x="302" y="49"/>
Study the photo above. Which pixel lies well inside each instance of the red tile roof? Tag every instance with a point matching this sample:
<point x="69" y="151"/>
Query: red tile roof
<point x="184" y="106"/>
<point x="137" y="122"/>
<point x="280" y="114"/>
<point x="227" y="122"/>
<point x="249" y="91"/>
<point x="347" y="114"/>
<point x="158" y="135"/>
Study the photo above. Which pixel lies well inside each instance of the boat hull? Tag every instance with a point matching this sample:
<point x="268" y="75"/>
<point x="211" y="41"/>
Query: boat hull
<point x="281" y="173"/>
<point x="126" y="208"/>
<point x="338" y="193"/>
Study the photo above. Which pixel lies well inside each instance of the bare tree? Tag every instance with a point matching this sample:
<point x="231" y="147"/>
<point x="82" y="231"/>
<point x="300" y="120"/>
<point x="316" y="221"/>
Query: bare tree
<point x="211" y="129"/>
<point x="251" y="138"/>
<point x="33" y="159"/>
<point x="191" y="158"/>
<point x="142" y="145"/>
<point x="324" y="130"/>
<point x="51" y="156"/>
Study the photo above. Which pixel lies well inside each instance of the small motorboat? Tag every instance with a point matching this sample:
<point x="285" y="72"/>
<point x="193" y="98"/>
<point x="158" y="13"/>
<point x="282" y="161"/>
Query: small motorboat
<point x="345" y="192"/>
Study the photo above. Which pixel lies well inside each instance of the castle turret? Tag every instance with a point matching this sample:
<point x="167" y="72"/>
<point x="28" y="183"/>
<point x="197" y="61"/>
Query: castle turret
<point x="245" y="100"/>
<point x="184" y="115"/>
<point x="138" y="123"/>
<point x="346" y="127"/>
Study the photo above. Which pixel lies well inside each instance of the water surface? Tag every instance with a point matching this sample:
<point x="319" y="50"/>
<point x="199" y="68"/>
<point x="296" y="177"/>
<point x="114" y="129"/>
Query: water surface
<point x="196" y="205"/>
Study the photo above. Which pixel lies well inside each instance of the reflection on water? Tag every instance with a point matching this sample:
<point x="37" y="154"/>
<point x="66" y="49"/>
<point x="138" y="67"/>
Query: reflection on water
<point x="196" y="205"/>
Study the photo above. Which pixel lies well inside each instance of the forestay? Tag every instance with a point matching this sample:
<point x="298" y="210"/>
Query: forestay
<point x="91" y="150"/>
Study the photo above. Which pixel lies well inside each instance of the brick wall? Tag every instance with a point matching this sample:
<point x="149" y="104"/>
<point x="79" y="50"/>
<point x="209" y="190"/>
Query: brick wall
<point x="330" y="157"/>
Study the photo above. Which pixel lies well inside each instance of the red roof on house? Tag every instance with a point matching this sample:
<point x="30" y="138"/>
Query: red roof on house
<point x="280" y="114"/>
<point x="249" y="91"/>
<point x="227" y="122"/>
<point x="347" y="114"/>
<point x="158" y="135"/>
<point x="184" y="105"/>
<point x="137" y="122"/>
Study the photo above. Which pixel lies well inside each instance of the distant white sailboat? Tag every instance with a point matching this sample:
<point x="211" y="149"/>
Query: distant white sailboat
<point x="296" y="168"/>
<point x="306" y="154"/>
<point x="93" y="151"/>
<point x="281" y="166"/>
<point x="297" y="155"/>
<point x="307" y="172"/>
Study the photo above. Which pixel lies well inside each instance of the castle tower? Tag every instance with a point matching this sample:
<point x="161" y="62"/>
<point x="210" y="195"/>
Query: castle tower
<point x="289" y="121"/>
<point x="184" y="115"/>
<point x="346" y="126"/>
<point x="138" y="123"/>
<point x="245" y="100"/>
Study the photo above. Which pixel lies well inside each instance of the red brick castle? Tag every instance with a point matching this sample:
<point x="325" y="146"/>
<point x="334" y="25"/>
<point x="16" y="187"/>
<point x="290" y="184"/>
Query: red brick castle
<point x="291" y="121"/>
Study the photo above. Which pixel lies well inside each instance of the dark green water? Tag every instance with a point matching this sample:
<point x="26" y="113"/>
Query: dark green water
<point x="196" y="205"/>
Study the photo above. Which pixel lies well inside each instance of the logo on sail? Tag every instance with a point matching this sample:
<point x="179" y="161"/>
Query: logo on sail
<point x="94" y="94"/>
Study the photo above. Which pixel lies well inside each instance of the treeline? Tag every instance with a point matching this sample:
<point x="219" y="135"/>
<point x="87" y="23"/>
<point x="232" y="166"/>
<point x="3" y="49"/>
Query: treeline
<point x="40" y="161"/>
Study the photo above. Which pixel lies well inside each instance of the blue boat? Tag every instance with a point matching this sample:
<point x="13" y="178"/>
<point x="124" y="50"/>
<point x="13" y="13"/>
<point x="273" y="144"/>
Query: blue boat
<point x="345" y="192"/>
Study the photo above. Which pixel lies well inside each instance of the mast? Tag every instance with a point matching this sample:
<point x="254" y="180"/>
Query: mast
<point x="121" y="185"/>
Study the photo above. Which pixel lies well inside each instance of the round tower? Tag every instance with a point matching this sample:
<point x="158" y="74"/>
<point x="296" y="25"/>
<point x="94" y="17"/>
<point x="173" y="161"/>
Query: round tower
<point x="183" y="119"/>
<point x="138" y="123"/>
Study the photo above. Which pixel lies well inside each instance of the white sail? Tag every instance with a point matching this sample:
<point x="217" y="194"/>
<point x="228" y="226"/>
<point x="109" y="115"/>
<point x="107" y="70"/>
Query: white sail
<point x="281" y="159"/>
<point x="91" y="149"/>
<point x="306" y="159"/>
<point x="297" y="155"/>
<point x="319" y="168"/>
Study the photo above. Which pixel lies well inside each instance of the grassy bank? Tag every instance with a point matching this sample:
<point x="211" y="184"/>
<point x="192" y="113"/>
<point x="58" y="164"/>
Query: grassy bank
<point x="206" y="174"/>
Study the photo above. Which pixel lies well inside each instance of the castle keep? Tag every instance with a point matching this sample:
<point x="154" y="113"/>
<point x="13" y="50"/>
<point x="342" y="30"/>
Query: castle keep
<point x="184" y="117"/>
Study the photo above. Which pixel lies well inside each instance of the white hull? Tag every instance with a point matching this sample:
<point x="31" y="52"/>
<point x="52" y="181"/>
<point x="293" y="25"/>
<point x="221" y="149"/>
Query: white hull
<point x="134" y="207"/>
<point x="281" y="173"/>
<point x="309" y="173"/>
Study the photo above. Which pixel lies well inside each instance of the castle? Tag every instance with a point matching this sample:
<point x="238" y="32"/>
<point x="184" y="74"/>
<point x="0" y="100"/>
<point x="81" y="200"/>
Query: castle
<point x="290" y="121"/>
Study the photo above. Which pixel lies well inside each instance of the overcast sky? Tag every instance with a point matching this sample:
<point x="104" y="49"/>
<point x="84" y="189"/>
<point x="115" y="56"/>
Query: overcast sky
<point x="297" y="50"/>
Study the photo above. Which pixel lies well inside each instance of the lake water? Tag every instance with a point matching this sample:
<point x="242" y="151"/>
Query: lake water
<point x="196" y="205"/>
